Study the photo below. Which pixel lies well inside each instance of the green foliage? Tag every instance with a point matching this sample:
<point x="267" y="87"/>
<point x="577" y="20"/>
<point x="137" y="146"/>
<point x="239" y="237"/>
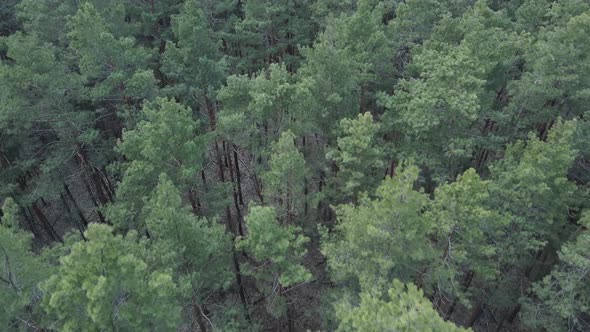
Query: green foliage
<point x="284" y="182"/>
<point x="382" y="238"/>
<point x="193" y="62"/>
<point x="561" y="301"/>
<point x="452" y="86"/>
<point x="257" y="109"/>
<point x="279" y="248"/>
<point x="104" y="284"/>
<point x="278" y="251"/>
<point x="164" y="141"/>
<point x="401" y="308"/>
<point x="530" y="184"/>
<point x="113" y="64"/>
<point x="301" y="106"/>
<point x="195" y="249"/>
<point x="556" y="81"/>
<point x="272" y="31"/>
<point x="36" y="92"/>
<point x="358" y="156"/>
<point x="20" y="271"/>
<point x="349" y="56"/>
<point x="469" y="230"/>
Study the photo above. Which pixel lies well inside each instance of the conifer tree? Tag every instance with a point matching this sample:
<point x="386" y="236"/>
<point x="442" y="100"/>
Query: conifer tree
<point x="284" y="182"/>
<point x="196" y="250"/>
<point x="278" y="251"/>
<point x="193" y="63"/>
<point x="104" y="283"/>
<point x="359" y="157"/>
<point x="20" y="272"/>
<point x="382" y="238"/>
<point x="164" y="141"/>
<point x="561" y="301"/>
<point x="401" y="308"/>
<point x="114" y="66"/>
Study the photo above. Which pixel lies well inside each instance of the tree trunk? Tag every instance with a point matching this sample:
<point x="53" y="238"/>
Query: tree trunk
<point x="239" y="216"/>
<point x="71" y="197"/>
<point x="232" y="231"/>
<point x="241" y="291"/>
<point x="99" y="187"/>
<point x="475" y="313"/>
<point x="79" y="225"/>
<point x="238" y="176"/>
<point x="94" y="200"/>
<point x="290" y="319"/>
<point x="509" y="317"/>
<point x="30" y="222"/>
<point x="204" y="180"/>
<point x="46" y="224"/>
<point x="195" y="203"/>
<point x="199" y="315"/>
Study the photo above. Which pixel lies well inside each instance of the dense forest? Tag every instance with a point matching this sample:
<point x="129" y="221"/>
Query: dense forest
<point x="294" y="165"/>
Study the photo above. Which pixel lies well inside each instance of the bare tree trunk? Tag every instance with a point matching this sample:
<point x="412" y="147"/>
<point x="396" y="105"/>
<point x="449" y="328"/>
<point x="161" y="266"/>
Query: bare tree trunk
<point x="46" y="224"/>
<point x="195" y="202"/>
<point x="241" y="291"/>
<point x="71" y="197"/>
<point x="239" y="216"/>
<point x="30" y="222"/>
<point x="232" y="231"/>
<point x="238" y="176"/>
<point x="94" y="200"/>
<point x="509" y="317"/>
<point x="475" y="313"/>
<point x="290" y="319"/>
<point x="204" y="180"/>
<point x="79" y="225"/>
<point x="199" y="315"/>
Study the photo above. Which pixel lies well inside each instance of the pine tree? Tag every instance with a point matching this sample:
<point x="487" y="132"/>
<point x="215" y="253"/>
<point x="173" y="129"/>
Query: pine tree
<point x="164" y="141"/>
<point x="278" y="251"/>
<point x="359" y="157"/>
<point x="193" y="63"/>
<point x="196" y="250"/>
<point x="382" y="238"/>
<point x="284" y="182"/>
<point x="114" y="66"/>
<point x="468" y="233"/>
<point x="401" y="308"/>
<point x="348" y="62"/>
<point x="105" y="284"/>
<point x="530" y="184"/>
<point x="561" y="301"/>
<point x="20" y="272"/>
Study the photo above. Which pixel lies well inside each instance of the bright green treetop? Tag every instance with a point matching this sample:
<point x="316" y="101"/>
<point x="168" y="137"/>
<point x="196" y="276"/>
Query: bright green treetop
<point x="165" y="141"/>
<point x="358" y="156"/>
<point x="196" y="249"/>
<point x="468" y="231"/>
<point x="279" y="246"/>
<point x="530" y="184"/>
<point x="401" y="308"/>
<point x="278" y="251"/>
<point x="103" y="284"/>
<point x="381" y="238"/>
